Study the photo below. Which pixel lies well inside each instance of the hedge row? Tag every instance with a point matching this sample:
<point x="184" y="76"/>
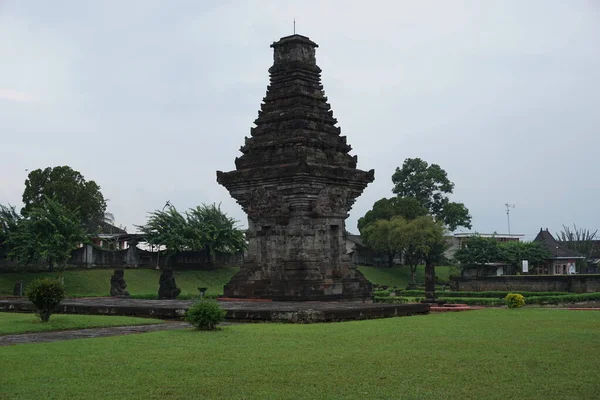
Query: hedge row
<point x="564" y="299"/>
<point x="487" y="301"/>
<point x="500" y="295"/>
<point x="397" y="300"/>
<point x="152" y="296"/>
<point x="571" y="298"/>
<point x="472" y="301"/>
<point x="490" y="294"/>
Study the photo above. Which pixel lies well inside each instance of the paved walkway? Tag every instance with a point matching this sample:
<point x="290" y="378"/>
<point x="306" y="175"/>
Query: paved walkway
<point x="42" y="337"/>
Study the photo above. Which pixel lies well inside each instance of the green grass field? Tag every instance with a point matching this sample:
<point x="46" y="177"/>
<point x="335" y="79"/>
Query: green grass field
<point x="400" y="275"/>
<point x="26" y="323"/>
<point x="486" y="354"/>
<point x="96" y="282"/>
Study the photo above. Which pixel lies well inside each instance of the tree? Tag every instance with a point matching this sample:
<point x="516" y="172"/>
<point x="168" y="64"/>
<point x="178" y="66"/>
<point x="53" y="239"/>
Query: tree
<point x="426" y="244"/>
<point x="478" y="251"/>
<point x="406" y="207"/>
<point x="430" y="186"/>
<point x="514" y="252"/>
<point x="387" y="236"/>
<point x="49" y="232"/>
<point x="205" y="227"/>
<point x="9" y="220"/>
<point x="579" y="239"/>
<point x="67" y="187"/>
<point x="169" y="229"/>
<point x="213" y="230"/>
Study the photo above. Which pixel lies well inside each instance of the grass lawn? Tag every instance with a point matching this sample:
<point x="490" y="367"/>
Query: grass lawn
<point x="12" y="323"/>
<point x="487" y="354"/>
<point x="400" y="275"/>
<point x="96" y="282"/>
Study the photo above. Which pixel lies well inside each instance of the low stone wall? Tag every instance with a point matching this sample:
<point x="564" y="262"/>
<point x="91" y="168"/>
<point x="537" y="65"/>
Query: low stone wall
<point x="530" y="283"/>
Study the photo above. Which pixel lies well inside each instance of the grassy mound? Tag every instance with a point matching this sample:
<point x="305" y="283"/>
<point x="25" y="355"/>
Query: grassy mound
<point x="96" y="282"/>
<point x="400" y="275"/>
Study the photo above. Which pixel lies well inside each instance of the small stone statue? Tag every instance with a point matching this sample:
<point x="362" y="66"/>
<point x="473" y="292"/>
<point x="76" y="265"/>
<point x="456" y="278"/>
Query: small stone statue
<point x="117" y="284"/>
<point x="167" y="290"/>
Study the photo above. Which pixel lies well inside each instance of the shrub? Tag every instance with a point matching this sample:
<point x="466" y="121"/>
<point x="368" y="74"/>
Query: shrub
<point x="45" y="294"/>
<point x="570" y="298"/>
<point x="473" y="301"/>
<point x="390" y="300"/>
<point x="382" y="293"/>
<point x="205" y="315"/>
<point x="514" y="300"/>
<point x="488" y="294"/>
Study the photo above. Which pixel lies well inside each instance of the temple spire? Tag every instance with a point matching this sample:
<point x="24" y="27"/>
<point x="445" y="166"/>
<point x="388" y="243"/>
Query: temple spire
<point x="296" y="181"/>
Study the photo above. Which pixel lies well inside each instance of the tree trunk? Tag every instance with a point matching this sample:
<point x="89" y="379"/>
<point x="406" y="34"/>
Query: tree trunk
<point x="50" y="266"/>
<point x="413" y="284"/>
<point x="391" y="259"/>
<point x="429" y="280"/>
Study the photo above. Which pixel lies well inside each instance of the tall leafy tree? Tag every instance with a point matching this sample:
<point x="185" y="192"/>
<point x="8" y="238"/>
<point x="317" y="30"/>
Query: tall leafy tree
<point x="213" y="230"/>
<point x="387" y="236"/>
<point x="205" y="227"/>
<point x="430" y="186"/>
<point x="514" y="252"/>
<point x="67" y="187"/>
<point x="478" y="251"/>
<point x="406" y="207"/>
<point x="426" y="244"/>
<point x="9" y="220"/>
<point x="49" y="232"/>
<point x="168" y="228"/>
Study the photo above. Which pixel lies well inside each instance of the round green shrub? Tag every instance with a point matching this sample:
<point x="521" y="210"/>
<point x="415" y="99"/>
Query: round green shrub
<point x="45" y="294"/>
<point x="514" y="300"/>
<point x="205" y="315"/>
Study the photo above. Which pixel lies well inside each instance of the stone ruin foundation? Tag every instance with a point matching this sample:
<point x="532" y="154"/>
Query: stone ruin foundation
<point x="296" y="181"/>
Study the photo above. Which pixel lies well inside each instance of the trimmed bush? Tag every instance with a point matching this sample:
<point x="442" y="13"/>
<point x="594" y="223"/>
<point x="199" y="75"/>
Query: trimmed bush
<point x="473" y="301"/>
<point x="205" y="315"/>
<point x="514" y="300"/>
<point x="570" y="298"/>
<point x="390" y="300"/>
<point x="489" y="294"/>
<point x="153" y="296"/>
<point x="45" y="294"/>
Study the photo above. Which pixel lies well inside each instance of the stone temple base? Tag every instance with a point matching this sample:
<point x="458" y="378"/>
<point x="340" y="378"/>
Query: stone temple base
<point x="254" y="282"/>
<point x="237" y="311"/>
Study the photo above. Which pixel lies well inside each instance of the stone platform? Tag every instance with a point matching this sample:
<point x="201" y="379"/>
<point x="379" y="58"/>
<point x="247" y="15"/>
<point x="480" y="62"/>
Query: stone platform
<point x="275" y="311"/>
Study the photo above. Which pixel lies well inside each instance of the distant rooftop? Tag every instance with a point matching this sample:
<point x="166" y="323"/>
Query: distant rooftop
<point x="557" y="250"/>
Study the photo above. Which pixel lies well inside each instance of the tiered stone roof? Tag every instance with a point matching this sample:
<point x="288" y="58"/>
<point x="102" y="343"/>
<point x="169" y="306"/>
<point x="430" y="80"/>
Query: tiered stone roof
<point x="296" y="181"/>
<point x="295" y="132"/>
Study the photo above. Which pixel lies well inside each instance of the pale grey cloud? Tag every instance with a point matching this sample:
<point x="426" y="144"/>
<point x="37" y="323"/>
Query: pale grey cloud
<point x="149" y="98"/>
<point x="14" y="95"/>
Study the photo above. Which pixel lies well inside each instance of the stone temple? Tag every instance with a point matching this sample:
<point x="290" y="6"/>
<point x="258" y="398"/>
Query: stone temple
<point x="297" y="182"/>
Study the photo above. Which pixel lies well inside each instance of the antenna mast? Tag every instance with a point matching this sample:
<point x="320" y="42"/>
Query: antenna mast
<point x="508" y="207"/>
<point x="294" y="25"/>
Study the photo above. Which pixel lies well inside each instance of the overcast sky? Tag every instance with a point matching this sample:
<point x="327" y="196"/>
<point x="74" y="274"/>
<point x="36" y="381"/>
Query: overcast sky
<point x="150" y="98"/>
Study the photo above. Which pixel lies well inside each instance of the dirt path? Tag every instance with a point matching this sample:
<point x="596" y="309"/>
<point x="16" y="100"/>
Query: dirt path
<point x="43" y="337"/>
